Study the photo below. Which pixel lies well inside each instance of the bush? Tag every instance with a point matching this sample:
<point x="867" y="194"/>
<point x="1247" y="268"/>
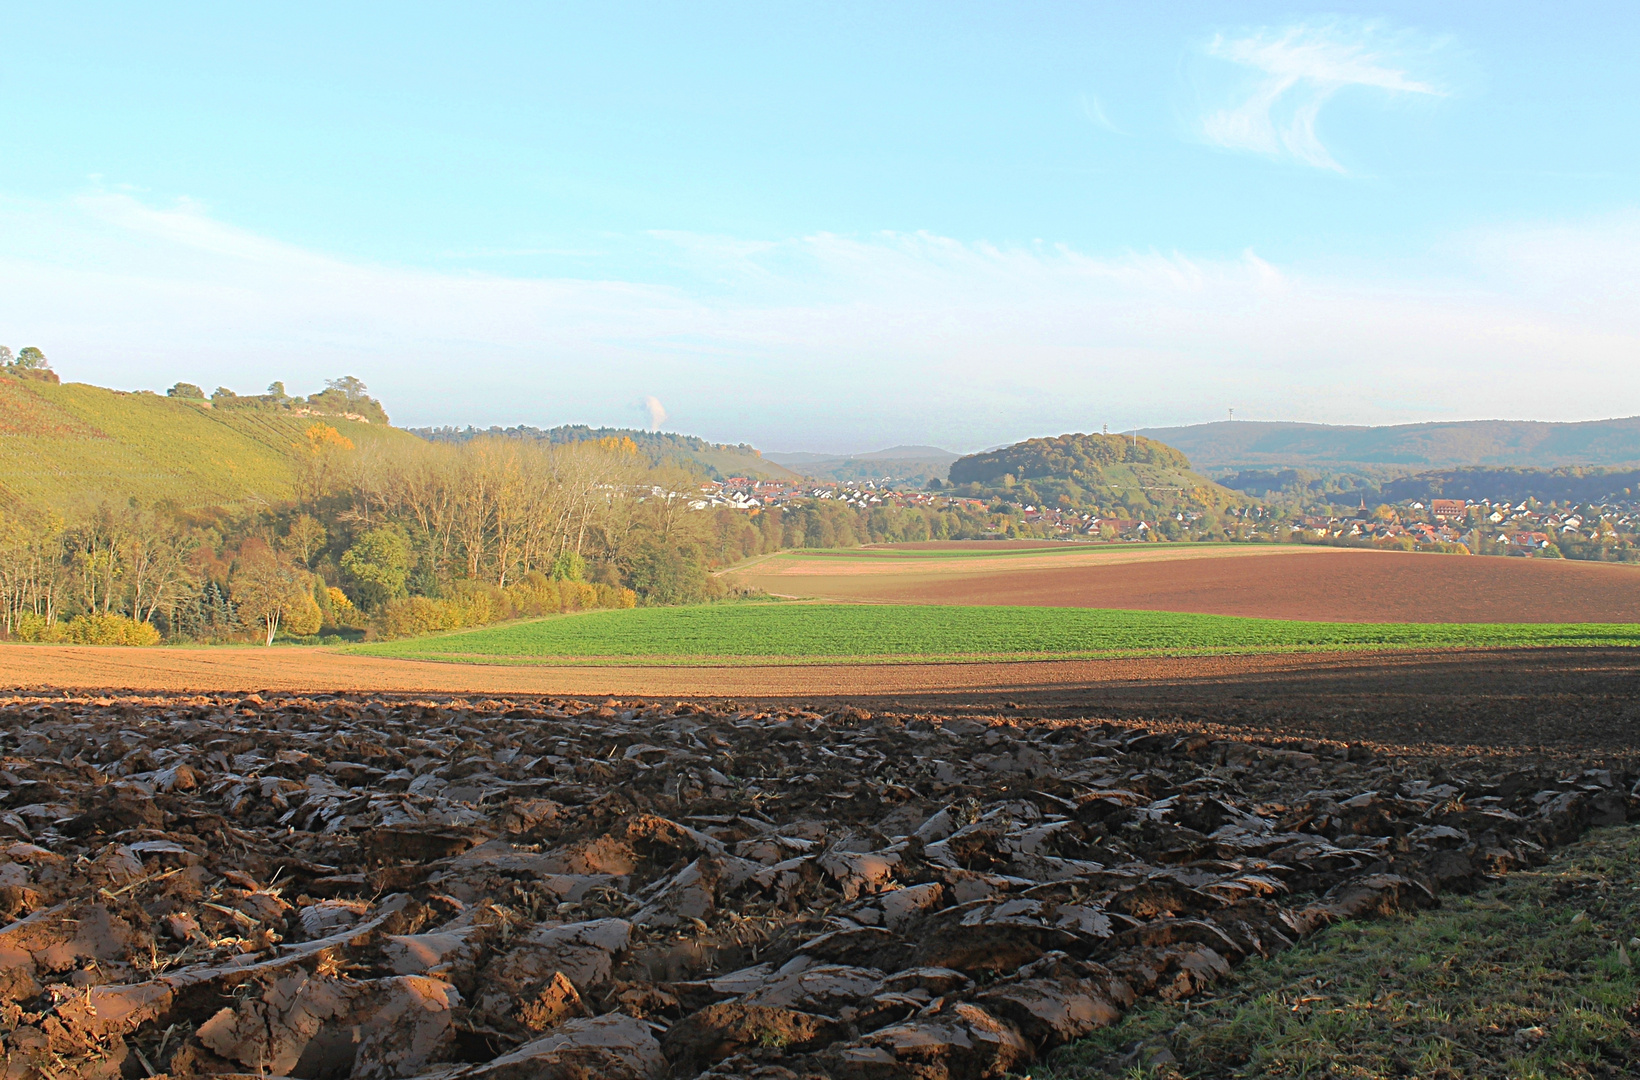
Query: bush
<point x="28" y="626"/>
<point x="576" y="596"/>
<point x="303" y="618"/>
<point x="408" y="617"/>
<point x="84" y="630"/>
<point x="613" y="596"/>
<point x="109" y="630"/>
<point x="473" y="603"/>
<point x="533" y="594"/>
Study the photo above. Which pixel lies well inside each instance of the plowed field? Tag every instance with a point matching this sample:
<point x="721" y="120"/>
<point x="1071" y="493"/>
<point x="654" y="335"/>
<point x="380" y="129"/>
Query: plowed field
<point x="375" y="887"/>
<point x="1277" y="582"/>
<point x="1571" y="698"/>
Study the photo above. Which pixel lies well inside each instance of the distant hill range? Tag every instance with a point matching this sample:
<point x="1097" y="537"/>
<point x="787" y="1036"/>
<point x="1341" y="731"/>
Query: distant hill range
<point x="1566" y="485"/>
<point x="73" y="446"/>
<point x="1141" y="476"/>
<point x="718" y="460"/>
<point x="1249" y="444"/>
<point x="906" y="464"/>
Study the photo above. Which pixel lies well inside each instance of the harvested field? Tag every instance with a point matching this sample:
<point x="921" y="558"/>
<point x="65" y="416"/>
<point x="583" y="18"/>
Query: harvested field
<point x="389" y="887"/>
<point x="1274" y="581"/>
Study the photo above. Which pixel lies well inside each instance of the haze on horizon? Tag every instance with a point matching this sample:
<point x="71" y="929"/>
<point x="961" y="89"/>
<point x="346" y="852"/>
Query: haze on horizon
<point x="837" y="228"/>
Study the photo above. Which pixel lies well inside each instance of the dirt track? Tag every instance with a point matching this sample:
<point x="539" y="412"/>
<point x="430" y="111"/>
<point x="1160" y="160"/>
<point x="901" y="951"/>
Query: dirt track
<point x="1321" y="584"/>
<point x="1519" y="698"/>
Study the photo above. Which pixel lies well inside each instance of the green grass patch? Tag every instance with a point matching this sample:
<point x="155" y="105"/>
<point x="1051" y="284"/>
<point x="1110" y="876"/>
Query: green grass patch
<point x="1531" y="978"/>
<point x="829" y="633"/>
<point x="1060" y="547"/>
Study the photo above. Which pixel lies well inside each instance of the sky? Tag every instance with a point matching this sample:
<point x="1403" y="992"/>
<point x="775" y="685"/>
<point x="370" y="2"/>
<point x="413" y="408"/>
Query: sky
<point x="838" y="226"/>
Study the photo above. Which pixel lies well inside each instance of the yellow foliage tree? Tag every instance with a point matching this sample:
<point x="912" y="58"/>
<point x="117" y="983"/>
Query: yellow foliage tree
<point x="321" y="455"/>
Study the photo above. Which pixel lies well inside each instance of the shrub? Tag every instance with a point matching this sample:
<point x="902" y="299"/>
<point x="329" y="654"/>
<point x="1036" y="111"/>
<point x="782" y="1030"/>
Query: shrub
<point x="613" y="596"/>
<point x="473" y="603"/>
<point x="28" y="626"/>
<point x="303" y="618"/>
<point x="576" y="596"/>
<point x="84" y="630"/>
<point x="408" y="617"/>
<point x="109" y="630"/>
<point x="533" y="594"/>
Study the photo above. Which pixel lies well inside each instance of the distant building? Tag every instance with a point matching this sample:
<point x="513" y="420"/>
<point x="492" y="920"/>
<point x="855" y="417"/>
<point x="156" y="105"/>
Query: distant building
<point x="1448" y="509"/>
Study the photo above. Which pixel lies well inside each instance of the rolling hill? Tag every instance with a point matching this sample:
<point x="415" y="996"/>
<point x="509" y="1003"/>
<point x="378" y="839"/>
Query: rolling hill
<point x="914" y="465"/>
<point x="72" y="446"/>
<point x="1227" y="445"/>
<point x="718" y="460"/>
<point x="1083" y="472"/>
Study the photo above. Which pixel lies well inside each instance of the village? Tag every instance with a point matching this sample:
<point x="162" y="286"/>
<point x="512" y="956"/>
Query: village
<point x="1605" y="530"/>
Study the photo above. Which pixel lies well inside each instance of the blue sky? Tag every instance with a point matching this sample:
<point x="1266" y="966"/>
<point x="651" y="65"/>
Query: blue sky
<point x="836" y="227"/>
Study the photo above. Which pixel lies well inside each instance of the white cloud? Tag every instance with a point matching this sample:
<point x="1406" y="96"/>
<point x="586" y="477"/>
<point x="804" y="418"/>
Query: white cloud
<point x="1094" y="110"/>
<point x="1293" y="72"/>
<point x="839" y="341"/>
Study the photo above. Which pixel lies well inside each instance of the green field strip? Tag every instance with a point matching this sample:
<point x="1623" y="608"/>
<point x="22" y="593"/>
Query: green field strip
<point x="1065" y="547"/>
<point x="874" y="634"/>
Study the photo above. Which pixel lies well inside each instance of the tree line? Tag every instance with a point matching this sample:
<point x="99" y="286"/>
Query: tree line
<point x="404" y="537"/>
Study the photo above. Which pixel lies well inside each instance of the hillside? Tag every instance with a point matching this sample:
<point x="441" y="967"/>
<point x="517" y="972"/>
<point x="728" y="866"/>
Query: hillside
<point x="72" y="446"/>
<point x="1567" y="485"/>
<point x="1241" y="444"/>
<point x="911" y="465"/>
<point x="1139" y="476"/>
<point x="718" y="460"/>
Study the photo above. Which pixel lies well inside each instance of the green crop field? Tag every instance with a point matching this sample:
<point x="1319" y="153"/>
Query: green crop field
<point x="73" y="445"/>
<point x="755" y="633"/>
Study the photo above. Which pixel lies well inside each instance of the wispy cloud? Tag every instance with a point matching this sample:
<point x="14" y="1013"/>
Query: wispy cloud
<point x="1294" y="71"/>
<point x="1094" y="110"/>
<point x="830" y="339"/>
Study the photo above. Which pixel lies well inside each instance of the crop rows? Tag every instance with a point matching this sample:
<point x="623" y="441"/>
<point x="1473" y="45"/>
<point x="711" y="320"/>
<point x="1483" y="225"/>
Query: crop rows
<point x="887" y="631"/>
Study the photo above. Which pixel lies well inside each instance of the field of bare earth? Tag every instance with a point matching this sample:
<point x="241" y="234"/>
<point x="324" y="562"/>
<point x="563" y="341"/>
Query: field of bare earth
<point x="1274" y="581"/>
<point x="478" y="887"/>
<point x="1573" y="699"/>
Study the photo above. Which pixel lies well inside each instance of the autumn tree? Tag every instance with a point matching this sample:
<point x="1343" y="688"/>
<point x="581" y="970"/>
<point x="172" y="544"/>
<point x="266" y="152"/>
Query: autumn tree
<point x="271" y="591"/>
<point x="32" y="571"/>
<point x="321" y="458"/>
<point x="304" y="538"/>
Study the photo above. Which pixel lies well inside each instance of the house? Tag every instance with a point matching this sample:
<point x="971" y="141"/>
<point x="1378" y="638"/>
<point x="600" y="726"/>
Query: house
<point x="1448" y="509"/>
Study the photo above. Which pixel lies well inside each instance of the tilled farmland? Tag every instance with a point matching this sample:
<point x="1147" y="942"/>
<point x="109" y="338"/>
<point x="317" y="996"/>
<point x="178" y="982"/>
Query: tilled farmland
<point x="341" y="886"/>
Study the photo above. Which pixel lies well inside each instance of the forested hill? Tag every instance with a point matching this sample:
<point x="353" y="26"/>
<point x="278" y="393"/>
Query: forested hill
<point x="72" y="446"/>
<point x="905" y="464"/>
<point x="1113" y="473"/>
<point x="718" y="460"/>
<point x="1244" y="444"/>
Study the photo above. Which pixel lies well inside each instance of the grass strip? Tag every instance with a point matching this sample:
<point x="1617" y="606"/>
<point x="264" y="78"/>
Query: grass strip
<point x="887" y="633"/>
<point x="1530" y="978"/>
